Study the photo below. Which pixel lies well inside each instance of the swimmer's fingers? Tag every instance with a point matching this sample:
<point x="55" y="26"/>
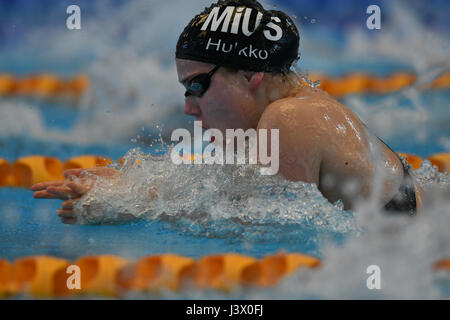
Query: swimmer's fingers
<point x="63" y="192"/>
<point x="80" y="188"/>
<point x="44" y="194"/>
<point x="41" y="189"/>
<point x="43" y="185"/>
<point x="67" y="216"/>
<point x="65" y="213"/>
<point x="68" y="204"/>
<point x="69" y="220"/>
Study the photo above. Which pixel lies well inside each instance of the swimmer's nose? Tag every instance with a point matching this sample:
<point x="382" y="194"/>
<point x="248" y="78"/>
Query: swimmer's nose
<point x="191" y="109"/>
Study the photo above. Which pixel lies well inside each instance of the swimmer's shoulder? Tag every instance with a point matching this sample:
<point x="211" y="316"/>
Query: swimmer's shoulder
<point x="307" y="108"/>
<point x="301" y="131"/>
<point x="314" y="121"/>
<point x="300" y="141"/>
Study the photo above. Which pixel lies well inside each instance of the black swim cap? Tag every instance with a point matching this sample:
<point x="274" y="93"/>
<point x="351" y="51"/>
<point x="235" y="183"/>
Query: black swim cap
<point x="242" y="35"/>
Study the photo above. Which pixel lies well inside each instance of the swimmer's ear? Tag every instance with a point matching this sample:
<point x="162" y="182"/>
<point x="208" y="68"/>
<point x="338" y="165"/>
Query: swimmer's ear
<point x="254" y="79"/>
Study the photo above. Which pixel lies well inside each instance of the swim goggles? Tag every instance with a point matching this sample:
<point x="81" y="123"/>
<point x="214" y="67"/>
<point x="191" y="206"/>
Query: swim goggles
<point x="198" y="85"/>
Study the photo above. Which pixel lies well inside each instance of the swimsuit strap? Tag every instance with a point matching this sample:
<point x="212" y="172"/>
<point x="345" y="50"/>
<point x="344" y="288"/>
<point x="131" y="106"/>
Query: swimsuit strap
<point x="405" y="199"/>
<point x="405" y="164"/>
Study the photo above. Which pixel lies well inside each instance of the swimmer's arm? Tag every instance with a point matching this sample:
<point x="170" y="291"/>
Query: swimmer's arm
<point x="78" y="182"/>
<point x="308" y="149"/>
<point x="299" y="149"/>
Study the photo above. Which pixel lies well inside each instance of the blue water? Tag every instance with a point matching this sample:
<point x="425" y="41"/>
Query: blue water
<point x="30" y="227"/>
<point x="24" y="232"/>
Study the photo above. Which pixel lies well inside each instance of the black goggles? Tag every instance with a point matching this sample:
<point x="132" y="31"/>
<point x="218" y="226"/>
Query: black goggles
<point x="198" y="85"/>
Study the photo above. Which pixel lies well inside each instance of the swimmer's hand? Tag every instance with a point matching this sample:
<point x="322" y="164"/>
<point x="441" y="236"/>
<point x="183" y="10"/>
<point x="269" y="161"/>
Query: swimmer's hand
<point x="78" y="182"/>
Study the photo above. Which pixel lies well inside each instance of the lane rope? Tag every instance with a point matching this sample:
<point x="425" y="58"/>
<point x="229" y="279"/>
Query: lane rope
<point x="49" y="86"/>
<point x="26" y="171"/>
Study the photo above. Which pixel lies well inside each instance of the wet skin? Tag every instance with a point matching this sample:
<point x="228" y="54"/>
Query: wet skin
<point x="321" y="140"/>
<point x="324" y="142"/>
<point x="78" y="182"/>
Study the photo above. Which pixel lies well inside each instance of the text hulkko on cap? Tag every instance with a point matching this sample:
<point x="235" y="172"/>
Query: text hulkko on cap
<point x="241" y="35"/>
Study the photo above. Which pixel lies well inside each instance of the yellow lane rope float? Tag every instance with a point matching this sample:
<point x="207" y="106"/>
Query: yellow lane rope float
<point x="26" y="171"/>
<point x="47" y="85"/>
<point x="441" y="160"/>
<point x="113" y="276"/>
<point x="413" y="160"/>
<point x="222" y="272"/>
<point x="365" y="83"/>
<point x="5" y="173"/>
<point x="153" y="273"/>
<point x="36" y="276"/>
<point x="86" y="161"/>
<point x="442" y="265"/>
<point x="270" y="270"/>
<point x="5" y="278"/>
<point x="98" y="274"/>
<point x="43" y="86"/>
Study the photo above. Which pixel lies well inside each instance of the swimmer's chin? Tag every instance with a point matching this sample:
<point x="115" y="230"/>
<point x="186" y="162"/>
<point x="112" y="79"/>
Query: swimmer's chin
<point x="204" y="126"/>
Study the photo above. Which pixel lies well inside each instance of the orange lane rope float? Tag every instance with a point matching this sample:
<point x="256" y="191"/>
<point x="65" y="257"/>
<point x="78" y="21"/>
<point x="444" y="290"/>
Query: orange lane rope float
<point x="98" y="274"/>
<point x="362" y="83"/>
<point x="47" y="86"/>
<point x="26" y="171"/>
<point x="442" y="265"/>
<point x="153" y="273"/>
<point x="413" y="160"/>
<point x="29" y="170"/>
<point x="86" y="161"/>
<point x="5" y="277"/>
<point x="270" y="270"/>
<point x="441" y="160"/>
<point x="113" y="276"/>
<point x="222" y="272"/>
<point x="36" y="276"/>
<point x="5" y="173"/>
<point x="43" y="86"/>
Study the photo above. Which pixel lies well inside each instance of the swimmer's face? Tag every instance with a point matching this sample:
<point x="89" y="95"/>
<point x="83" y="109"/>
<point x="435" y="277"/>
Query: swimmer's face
<point x="227" y="104"/>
